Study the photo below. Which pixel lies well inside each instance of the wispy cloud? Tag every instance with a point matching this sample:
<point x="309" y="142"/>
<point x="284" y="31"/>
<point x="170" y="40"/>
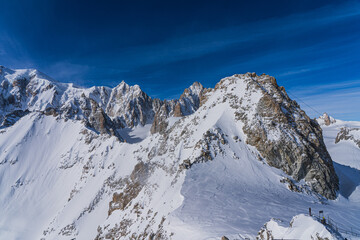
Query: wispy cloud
<point x="204" y="43"/>
<point x="295" y="72"/>
<point x="319" y="88"/>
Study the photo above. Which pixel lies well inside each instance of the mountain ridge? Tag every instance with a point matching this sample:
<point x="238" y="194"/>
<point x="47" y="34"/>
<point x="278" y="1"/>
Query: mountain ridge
<point x="106" y="110"/>
<point x="125" y="106"/>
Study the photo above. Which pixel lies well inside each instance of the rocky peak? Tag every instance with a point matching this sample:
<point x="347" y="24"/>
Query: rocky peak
<point x="130" y="106"/>
<point x="194" y="90"/>
<point x="124" y="90"/>
<point x="161" y="117"/>
<point x="282" y="133"/>
<point x="326" y="120"/>
<point x="125" y="105"/>
<point x="189" y="101"/>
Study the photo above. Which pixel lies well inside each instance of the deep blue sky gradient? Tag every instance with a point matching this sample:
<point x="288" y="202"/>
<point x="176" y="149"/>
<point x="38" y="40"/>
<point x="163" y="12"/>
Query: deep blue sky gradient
<point x="311" y="47"/>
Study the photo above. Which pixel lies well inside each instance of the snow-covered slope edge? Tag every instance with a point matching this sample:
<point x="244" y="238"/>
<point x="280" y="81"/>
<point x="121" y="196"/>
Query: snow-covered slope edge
<point x="301" y="227"/>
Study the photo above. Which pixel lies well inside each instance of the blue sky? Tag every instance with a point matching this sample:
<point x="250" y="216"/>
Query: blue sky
<point x="311" y="47"/>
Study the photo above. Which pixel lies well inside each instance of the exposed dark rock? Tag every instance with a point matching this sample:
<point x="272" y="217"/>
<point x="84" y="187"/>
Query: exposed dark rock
<point x="348" y="134"/>
<point x="190" y="100"/>
<point x="291" y="185"/>
<point x="11" y="118"/>
<point x="132" y="187"/>
<point x="51" y="112"/>
<point x="100" y="121"/>
<point x="160" y="122"/>
<point x="188" y="103"/>
<point x="210" y="145"/>
<point x="177" y="110"/>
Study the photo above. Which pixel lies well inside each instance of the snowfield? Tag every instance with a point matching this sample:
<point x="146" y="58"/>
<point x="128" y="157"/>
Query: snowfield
<point x="60" y="179"/>
<point x="301" y="227"/>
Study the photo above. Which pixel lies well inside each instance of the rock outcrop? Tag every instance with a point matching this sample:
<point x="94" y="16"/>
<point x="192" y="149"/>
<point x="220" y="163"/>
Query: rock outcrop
<point x="352" y="134"/>
<point x="160" y="122"/>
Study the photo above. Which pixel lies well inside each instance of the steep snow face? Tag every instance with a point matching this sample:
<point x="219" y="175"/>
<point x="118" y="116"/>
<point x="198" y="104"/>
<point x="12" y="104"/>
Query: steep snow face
<point x="45" y="163"/>
<point x="301" y="227"/>
<point x="196" y="178"/>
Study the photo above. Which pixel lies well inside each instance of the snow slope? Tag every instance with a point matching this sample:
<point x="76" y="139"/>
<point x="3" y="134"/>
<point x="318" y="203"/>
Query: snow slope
<point x="43" y="163"/>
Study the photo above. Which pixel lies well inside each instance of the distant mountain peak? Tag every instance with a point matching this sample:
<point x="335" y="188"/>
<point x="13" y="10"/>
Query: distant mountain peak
<point x="195" y="90"/>
<point x="326" y="120"/>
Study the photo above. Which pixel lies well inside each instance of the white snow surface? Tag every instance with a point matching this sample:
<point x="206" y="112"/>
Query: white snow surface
<point x="57" y="178"/>
<point x="301" y="227"/>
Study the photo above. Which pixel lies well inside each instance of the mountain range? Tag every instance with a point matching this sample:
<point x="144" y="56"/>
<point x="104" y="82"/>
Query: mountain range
<point x="237" y="160"/>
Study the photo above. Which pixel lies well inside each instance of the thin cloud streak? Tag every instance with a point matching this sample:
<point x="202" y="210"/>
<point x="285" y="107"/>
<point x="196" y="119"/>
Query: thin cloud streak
<point x="340" y="86"/>
<point x="341" y="100"/>
<point x="196" y="45"/>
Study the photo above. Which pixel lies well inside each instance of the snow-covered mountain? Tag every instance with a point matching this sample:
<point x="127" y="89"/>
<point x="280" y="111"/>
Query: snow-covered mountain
<point x="28" y="90"/>
<point x="113" y="163"/>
